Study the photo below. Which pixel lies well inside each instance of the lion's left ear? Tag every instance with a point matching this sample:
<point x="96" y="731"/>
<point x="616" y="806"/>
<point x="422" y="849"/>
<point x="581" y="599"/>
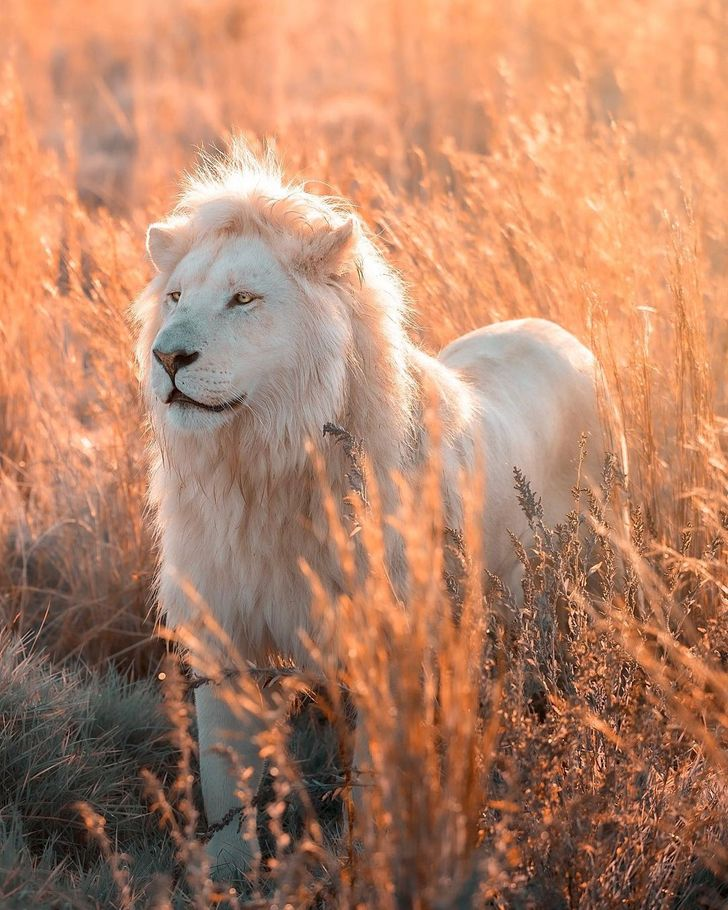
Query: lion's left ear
<point x="166" y="242"/>
<point x="327" y="252"/>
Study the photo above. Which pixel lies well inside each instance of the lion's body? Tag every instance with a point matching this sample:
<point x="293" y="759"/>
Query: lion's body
<point x="236" y="531"/>
<point x="536" y="390"/>
<point x="239" y="497"/>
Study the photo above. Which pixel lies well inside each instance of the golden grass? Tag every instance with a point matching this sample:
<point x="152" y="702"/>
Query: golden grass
<point x="557" y="159"/>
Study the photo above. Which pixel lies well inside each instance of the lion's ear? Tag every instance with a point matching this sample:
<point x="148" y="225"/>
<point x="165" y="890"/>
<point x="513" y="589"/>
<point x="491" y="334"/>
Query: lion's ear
<point x="166" y="241"/>
<point x="327" y="251"/>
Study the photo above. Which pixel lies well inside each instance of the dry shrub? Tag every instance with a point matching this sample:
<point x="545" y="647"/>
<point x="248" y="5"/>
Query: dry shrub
<point x="563" y="160"/>
<point x="77" y="559"/>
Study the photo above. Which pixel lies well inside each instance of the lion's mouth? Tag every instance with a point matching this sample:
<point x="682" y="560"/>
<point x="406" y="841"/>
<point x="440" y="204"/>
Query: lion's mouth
<point x="177" y="397"/>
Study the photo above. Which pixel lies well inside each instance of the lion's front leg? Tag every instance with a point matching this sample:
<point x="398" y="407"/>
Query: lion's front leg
<point x="228" y="747"/>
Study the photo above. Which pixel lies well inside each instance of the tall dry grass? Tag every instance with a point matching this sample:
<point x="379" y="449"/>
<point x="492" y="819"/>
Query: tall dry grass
<point x="560" y="159"/>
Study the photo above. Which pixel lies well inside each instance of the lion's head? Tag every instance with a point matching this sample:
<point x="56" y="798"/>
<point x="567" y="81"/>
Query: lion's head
<point x="249" y="314"/>
<point x="272" y="313"/>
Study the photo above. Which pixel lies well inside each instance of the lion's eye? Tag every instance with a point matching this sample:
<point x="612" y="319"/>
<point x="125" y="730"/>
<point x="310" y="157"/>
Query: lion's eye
<point x="243" y="298"/>
<point x="174" y="296"/>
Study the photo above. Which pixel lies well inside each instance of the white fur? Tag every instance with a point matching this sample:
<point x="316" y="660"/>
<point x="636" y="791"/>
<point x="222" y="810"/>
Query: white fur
<point x="237" y="494"/>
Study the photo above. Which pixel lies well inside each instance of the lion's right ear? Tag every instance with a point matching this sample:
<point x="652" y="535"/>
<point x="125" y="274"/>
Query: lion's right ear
<point x="325" y="250"/>
<point x="166" y="242"/>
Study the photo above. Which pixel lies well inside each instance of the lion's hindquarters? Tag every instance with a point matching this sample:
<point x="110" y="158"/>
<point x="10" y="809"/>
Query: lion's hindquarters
<point x="535" y="385"/>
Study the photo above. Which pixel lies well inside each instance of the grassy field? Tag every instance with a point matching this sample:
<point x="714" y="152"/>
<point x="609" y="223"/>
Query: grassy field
<point x="558" y="159"/>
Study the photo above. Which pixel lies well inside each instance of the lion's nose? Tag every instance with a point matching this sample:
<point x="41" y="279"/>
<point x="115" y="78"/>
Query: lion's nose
<point x="172" y="361"/>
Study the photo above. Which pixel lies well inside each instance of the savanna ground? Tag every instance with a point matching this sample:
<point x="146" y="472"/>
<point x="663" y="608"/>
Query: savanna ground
<point x="557" y="159"/>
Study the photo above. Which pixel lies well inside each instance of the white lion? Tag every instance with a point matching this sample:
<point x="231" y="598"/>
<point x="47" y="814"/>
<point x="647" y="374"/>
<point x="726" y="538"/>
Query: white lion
<point x="272" y="314"/>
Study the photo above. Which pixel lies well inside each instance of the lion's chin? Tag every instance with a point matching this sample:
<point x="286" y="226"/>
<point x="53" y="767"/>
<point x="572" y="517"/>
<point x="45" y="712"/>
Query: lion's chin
<point x="180" y="398"/>
<point x="189" y="418"/>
